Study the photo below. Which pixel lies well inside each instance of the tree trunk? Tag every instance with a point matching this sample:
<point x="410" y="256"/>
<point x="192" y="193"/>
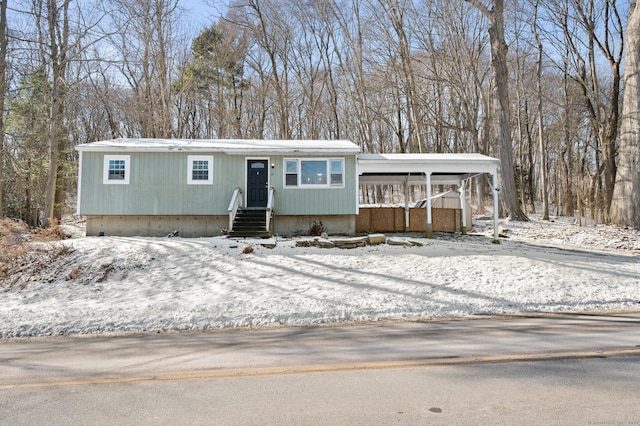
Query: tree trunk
<point x="543" y="157"/>
<point x="164" y="126"/>
<point x="3" y="86"/>
<point x="501" y="121"/>
<point x="58" y="40"/>
<point x="569" y="201"/>
<point x="625" y="206"/>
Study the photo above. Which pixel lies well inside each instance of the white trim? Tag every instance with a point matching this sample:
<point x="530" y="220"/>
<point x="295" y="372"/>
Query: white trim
<point x="127" y="170"/>
<point x="300" y="185"/>
<point x="79" y="195"/>
<point x="284" y="172"/>
<point x="329" y="172"/>
<point x="254" y="147"/>
<point x="428" y="190"/>
<point x="463" y="205"/>
<point x="450" y="164"/>
<point x="190" y="160"/>
<point x="496" y="211"/>
<point x="357" y="197"/>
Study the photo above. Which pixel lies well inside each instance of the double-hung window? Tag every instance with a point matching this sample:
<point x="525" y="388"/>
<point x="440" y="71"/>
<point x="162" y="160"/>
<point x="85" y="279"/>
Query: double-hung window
<point x="117" y="169"/>
<point x="200" y="169"/>
<point x="336" y="172"/>
<point x="313" y="173"/>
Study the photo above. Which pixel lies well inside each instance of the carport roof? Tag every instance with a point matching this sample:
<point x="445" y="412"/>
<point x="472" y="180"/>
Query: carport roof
<point x="438" y="164"/>
<point x="436" y="169"/>
<point x="443" y="168"/>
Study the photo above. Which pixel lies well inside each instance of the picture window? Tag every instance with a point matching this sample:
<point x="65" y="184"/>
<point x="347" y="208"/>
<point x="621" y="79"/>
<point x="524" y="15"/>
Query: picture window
<point x="313" y="173"/>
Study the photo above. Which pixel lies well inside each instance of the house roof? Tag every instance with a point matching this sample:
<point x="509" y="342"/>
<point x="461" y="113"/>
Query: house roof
<point x="228" y="146"/>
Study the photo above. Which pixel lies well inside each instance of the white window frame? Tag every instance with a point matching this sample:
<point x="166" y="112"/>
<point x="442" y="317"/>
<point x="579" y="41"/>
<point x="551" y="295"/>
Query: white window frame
<point x="190" y="160"/>
<point x="127" y="170"/>
<point x="300" y="185"/>
<point x="330" y="173"/>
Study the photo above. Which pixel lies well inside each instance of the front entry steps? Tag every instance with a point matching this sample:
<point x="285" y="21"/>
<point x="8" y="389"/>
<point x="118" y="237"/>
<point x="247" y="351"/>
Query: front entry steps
<point x="250" y="223"/>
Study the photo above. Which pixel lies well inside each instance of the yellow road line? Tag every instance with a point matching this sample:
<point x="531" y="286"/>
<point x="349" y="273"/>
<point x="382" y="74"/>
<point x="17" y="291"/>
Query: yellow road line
<point x="336" y="368"/>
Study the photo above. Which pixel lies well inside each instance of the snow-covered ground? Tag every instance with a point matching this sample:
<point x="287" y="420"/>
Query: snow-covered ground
<point x="119" y="285"/>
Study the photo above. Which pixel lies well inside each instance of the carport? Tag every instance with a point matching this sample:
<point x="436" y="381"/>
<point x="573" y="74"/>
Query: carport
<point x="430" y="169"/>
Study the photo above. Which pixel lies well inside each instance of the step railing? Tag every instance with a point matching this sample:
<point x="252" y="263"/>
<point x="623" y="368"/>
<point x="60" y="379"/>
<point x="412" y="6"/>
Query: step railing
<point x="269" y="211"/>
<point x="234" y="205"/>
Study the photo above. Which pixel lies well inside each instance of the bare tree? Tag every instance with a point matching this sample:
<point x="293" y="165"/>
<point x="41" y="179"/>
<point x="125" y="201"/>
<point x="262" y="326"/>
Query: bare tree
<point x="349" y="47"/>
<point x="144" y="40"/>
<point x="625" y="207"/>
<point x="542" y="152"/>
<point x="500" y="120"/>
<point x="273" y="35"/>
<point x="54" y="47"/>
<point x="612" y="50"/>
<point x="593" y="35"/>
<point x="3" y="88"/>
<point x="524" y="119"/>
<point x="396" y="12"/>
<point x="457" y="70"/>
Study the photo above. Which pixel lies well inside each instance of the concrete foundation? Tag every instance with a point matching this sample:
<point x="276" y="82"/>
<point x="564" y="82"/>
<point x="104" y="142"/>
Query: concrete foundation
<point x="209" y="226"/>
<point x="301" y="225"/>
<point x="157" y="226"/>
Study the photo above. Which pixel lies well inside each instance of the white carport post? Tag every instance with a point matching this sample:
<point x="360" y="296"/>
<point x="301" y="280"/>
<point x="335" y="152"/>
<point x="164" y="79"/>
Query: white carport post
<point x="495" y="207"/>
<point x="429" y="233"/>
<point x="406" y="204"/>
<point x="463" y="204"/>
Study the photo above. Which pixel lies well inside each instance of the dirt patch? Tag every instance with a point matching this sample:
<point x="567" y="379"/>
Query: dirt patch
<point x="25" y="252"/>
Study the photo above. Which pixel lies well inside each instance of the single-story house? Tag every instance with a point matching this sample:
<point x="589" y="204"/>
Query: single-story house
<point x="198" y="187"/>
<point x="193" y="188"/>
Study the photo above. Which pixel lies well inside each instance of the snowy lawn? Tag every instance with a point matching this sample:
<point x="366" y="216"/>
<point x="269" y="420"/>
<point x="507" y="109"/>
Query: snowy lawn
<point x="116" y="284"/>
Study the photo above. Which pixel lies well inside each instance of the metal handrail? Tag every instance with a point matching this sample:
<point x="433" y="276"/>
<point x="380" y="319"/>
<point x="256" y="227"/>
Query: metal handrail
<point x="234" y="205"/>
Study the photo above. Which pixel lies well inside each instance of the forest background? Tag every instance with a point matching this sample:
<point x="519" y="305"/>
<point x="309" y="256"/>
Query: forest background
<point x="538" y="83"/>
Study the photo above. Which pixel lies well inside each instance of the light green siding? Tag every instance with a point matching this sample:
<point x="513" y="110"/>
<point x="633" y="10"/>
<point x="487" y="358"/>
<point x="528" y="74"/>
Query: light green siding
<point x="158" y="186"/>
<point x="315" y="201"/>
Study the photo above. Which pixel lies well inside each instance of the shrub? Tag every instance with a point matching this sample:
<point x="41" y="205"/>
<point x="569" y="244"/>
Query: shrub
<point x="316" y="229"/>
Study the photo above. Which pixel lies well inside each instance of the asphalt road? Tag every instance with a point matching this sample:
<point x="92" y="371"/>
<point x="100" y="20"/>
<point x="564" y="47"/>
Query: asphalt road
<point x="568" y="369"/>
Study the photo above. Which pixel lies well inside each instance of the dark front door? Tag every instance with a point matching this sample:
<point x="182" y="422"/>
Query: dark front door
<point x="257" y="182"/>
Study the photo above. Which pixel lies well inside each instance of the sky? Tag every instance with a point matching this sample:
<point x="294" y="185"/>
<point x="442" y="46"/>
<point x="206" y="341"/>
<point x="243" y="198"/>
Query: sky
<point x="202" y="12"/>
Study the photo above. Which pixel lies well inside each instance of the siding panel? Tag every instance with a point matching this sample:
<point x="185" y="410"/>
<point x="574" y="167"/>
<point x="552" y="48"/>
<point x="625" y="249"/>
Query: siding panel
<point x="158" y="186"/>
<point x="312" y="201"/>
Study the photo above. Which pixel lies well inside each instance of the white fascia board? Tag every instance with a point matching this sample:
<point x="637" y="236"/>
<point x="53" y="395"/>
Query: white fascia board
<point x="463" y="165"/>
<point x="233" y="147"/>
<point x="239" y="151"/>
<point x="292" y="152"/>
<point x="79" y="193"/>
